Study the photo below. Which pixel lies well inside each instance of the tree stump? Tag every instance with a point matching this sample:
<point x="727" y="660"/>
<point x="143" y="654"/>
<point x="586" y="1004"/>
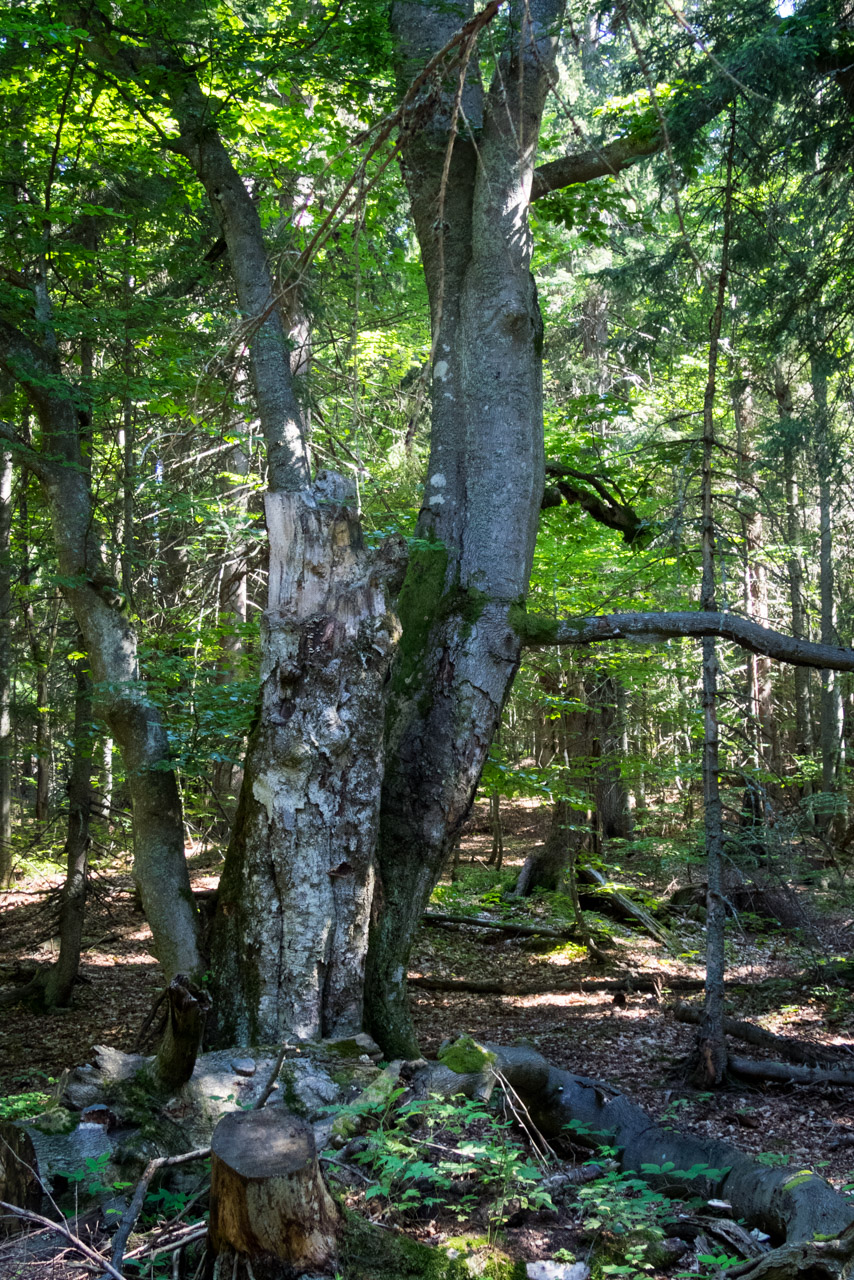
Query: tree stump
<point x="269" y="1203"/>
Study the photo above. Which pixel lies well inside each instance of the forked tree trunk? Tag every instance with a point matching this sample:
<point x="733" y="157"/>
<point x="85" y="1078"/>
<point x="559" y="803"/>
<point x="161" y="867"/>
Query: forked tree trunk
<point x="291" y="929"/>
<point x="459" y="651"/>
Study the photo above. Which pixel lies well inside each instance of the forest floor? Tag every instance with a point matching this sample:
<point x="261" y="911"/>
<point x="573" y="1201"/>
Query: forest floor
<point x="632" y="1042"/>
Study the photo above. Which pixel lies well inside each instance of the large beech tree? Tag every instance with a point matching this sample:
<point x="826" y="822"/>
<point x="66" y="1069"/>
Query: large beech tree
<point x="379" y="697"/>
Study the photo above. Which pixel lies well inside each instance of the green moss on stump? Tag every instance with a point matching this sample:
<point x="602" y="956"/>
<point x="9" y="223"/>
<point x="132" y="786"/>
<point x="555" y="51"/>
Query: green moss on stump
<point x="465" y="1056"/>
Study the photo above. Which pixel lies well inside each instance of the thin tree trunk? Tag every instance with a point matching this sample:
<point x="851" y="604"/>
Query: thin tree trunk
<point x="613" y="816"/>
<point x="832" y="742"/>
<point x="796" y="573"/>
<point x="711" y="1043"/>
<point x="60" y="978"/>
<point x="232" y="614"/>
<point x="496" y="857"/>
<point x="6" y="651"/>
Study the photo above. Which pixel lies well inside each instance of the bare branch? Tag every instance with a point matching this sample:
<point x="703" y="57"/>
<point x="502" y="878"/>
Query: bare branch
<point x="539" y="631"/>
<point x="63" y="1229"/>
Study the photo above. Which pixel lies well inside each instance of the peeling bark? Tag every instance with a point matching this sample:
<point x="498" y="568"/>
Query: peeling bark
<point x="291" y="927"/>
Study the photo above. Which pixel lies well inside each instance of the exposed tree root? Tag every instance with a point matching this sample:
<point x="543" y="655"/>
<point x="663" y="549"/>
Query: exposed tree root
<point x="801" y="1051"/>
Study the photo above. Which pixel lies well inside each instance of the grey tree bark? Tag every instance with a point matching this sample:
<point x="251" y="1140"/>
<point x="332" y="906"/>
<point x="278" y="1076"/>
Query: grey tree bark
<point x="119" y="694"/>
<point x="469" y="194"/>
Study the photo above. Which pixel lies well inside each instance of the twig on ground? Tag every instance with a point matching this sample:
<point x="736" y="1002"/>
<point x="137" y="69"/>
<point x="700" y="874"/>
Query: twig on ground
<point x="64" y="1230"/>
<point x="134" y="1209"/>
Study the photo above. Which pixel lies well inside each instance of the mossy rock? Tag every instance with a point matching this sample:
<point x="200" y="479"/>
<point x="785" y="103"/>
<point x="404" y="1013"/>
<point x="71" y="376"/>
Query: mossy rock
<point x="479" y="1258"/>
<point x="370" y="1253"/>
<point x="465" y="1056"/>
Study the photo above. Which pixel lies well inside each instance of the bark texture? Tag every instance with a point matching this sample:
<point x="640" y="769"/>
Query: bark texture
<point x="268" y="1200"/>
<point x="291" y="928"/>
<point x="486" y="470"/>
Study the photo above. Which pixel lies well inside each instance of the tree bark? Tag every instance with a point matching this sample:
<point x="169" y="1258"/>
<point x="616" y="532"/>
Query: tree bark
<point x="291" y="927"/>
<point x="546" y="867"/>
<point x="60" y="978"/>
<point x="269" y="1203"/>
<point x="486" y="471"/>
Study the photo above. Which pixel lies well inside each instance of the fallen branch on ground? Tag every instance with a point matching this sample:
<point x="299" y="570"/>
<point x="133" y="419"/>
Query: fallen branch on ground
<point x="785" y="1073"/>
<point x="134" y="1209"/>
<point x="62" y="1228"/>
<point x="506" y="926"/>
<point x="621" y="905"/>
<point x="628" y="984"/>
<point x="801" y="1051"/>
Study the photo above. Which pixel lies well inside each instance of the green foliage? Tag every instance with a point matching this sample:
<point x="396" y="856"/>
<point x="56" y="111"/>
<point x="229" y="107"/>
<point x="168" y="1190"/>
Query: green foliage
<point x="451" y="1155"/>
<point x="20" y="1106"/>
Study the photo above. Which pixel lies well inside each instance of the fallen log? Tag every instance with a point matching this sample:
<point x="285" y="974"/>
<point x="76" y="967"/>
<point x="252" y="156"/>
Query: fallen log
<point x="628" y="984"/>
<point x="622" y="906"/>
<point x="792" y="1050"/>
<point x="791" y="1205"/>
<point x="506" y="926"/>
<point x="785" y="1073"/>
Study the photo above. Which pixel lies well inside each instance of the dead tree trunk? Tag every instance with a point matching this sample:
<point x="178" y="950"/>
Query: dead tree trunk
<point x="269" y="1204"/>
<point x="546" y="867"/>
<point x="291" y="928"/>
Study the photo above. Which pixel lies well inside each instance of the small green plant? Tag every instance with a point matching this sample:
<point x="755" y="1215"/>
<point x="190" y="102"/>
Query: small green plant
<point x="436" y="1153"/>
<point x="773" y="1159"/>
<point x="19" y="1106"/>
<point x="92" y="1175"/>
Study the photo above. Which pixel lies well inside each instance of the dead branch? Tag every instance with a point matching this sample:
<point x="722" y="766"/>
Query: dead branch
<point x="65" y="1231"/>
<point x="647" y="986"/>
<point x="783" y="1073"/>
<point x="801" y="1051"/>
<point x="134" y="1209"/>
<point x="271" y="1081"/>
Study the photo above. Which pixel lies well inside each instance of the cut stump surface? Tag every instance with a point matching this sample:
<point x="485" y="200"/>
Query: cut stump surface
<point x="268" y="1199"/>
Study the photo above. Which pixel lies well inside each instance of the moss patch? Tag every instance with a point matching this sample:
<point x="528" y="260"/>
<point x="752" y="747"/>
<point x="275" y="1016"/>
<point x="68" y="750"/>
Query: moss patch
<point x="465" y="1056"/>
<point x="55" y="1120"/>
<point x="369" y="1253"/>
<point x="533" y="628"/>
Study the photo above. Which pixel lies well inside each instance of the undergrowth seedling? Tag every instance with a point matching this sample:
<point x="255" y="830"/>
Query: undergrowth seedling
<point x="448" y="1154"/>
